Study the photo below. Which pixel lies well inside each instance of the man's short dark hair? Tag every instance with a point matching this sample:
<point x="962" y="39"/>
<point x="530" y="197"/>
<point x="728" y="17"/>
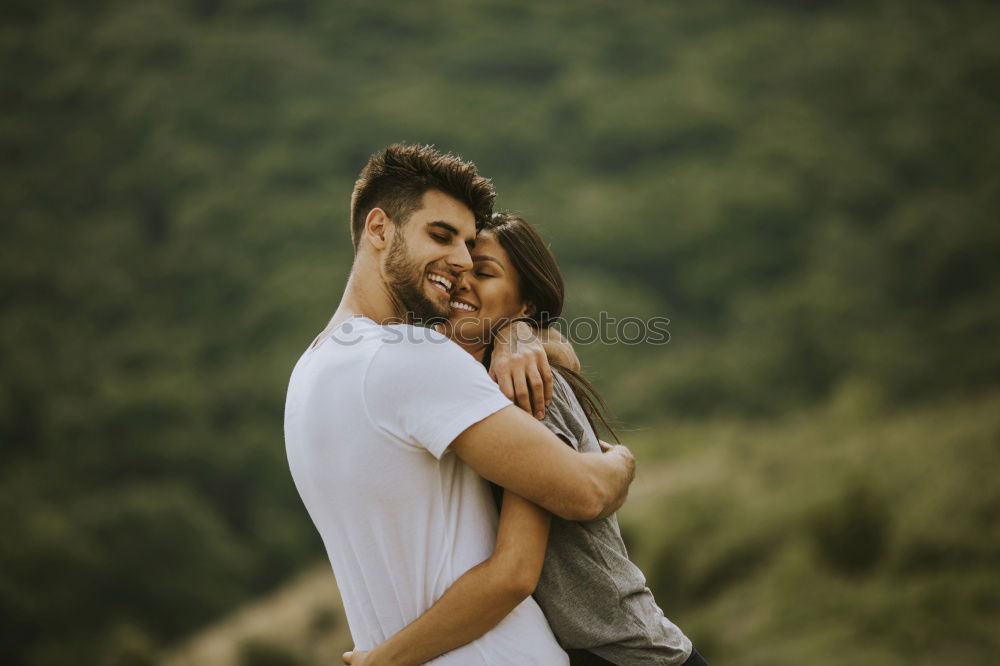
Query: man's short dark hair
<point x="396" y="178"/>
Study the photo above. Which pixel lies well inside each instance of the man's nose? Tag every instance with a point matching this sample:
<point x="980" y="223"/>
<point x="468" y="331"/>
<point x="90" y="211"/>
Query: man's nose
<point x="460" y="260"/>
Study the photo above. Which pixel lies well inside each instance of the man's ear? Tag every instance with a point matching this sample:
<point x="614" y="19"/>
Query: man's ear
<point x="377" y="228"/>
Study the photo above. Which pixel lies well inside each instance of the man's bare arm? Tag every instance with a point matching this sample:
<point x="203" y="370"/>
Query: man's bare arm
<point x="517" y="452"/>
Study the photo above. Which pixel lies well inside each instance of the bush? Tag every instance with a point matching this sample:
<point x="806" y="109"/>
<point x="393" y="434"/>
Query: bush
<point x="851" y="534"/>
<point x="263" y="652"/>
<point x="127" y="645"/>
<point x="324" y="622"/>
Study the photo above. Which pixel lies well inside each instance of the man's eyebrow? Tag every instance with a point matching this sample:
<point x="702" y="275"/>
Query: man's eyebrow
<point x="443" y="225"/>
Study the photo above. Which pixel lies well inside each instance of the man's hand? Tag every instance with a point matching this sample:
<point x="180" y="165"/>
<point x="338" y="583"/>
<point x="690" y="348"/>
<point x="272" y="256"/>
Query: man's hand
<point x="521" y="368"/>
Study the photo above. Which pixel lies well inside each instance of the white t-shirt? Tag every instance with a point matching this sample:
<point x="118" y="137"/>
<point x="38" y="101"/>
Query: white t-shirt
<point x="369" y="416"/>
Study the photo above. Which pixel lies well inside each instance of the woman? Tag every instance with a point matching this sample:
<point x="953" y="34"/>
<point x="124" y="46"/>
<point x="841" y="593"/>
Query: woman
<point x="594" y="598"/>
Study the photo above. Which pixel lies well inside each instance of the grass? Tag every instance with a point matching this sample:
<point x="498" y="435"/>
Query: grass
<point x="837" y="535"/>
<point x="833" y="536"/>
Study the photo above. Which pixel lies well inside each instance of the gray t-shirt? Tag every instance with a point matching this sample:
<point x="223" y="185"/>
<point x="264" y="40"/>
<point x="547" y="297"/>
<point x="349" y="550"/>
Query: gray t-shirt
<point x="592" y="595"/>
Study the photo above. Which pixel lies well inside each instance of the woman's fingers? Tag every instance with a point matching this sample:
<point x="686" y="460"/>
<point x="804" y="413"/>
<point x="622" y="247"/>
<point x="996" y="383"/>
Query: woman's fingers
<point x="546" y="372"/>
<point x="537" y="391"/>
<point x="527" y="382"/>
<point x="503" y="380"/>
<point x="521" y="392"/>
<point x="521" y="368"/>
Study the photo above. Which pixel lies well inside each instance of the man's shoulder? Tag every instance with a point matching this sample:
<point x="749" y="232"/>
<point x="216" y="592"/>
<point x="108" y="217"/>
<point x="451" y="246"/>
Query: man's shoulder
<point x="410" y="339"/>
<point x="413" y="334"/>
<point x="417" y="354"/>
<point x="365" y="335"/>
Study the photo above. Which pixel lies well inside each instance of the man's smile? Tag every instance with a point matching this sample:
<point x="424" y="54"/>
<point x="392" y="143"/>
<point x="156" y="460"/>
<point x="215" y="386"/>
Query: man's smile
<point x="441" y="283"/>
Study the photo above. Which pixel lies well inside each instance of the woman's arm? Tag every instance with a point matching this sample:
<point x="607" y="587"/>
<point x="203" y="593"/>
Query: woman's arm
<point x="559" y="349"/>
<point x="520" y="364"/>
<point x="480" y="598"/>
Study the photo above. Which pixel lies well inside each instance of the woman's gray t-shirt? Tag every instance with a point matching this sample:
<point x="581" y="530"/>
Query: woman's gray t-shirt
<point x="592" y="595"/>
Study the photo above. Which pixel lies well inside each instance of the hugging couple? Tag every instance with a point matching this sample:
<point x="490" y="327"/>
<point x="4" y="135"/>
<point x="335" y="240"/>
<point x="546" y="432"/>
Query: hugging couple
<point x="463" y="527"/>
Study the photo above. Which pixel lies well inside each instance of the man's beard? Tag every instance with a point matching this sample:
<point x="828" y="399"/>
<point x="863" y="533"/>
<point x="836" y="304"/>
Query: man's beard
<point x="406" y="285"/>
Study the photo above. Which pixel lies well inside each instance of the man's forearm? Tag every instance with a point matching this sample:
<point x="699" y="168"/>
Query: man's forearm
<point x="474" y="604"/>
<point x="513" y="450"/>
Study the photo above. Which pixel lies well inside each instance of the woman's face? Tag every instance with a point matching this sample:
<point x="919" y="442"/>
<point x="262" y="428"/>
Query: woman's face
<point x="487" y="295"/>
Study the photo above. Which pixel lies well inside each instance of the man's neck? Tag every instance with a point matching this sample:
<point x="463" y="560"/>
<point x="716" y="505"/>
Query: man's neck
<point x="366" y="296"/>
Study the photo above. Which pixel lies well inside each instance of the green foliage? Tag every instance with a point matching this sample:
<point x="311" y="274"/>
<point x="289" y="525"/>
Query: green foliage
<point x="324" y="621"/>
<point x="805" y="189"/>
<point x="260" y="652"/>
<point x="779" y="543"/>
<point x="128" y="646"/>
<point x="851" y="535"/>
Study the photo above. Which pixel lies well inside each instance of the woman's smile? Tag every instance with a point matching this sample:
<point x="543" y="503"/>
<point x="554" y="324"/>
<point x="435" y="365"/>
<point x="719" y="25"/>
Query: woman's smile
<point x="460" y="305"/>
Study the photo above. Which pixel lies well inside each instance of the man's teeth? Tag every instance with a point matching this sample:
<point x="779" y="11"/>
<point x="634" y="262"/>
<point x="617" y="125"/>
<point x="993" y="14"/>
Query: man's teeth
<point x="458" y="305"/>
<point x="444" y="282"/>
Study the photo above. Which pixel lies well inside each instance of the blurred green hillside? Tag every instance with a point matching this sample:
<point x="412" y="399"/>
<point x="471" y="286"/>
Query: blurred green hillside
<point x="805" y="189"/>
<point x="831" y="537"/>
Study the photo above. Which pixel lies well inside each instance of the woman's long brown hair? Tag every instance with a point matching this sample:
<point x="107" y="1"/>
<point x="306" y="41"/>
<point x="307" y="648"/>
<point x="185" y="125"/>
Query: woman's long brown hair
<point x="542" y="284"/>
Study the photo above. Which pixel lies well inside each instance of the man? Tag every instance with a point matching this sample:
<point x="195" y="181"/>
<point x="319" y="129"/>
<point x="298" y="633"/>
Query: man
<point x="391" y="429"/>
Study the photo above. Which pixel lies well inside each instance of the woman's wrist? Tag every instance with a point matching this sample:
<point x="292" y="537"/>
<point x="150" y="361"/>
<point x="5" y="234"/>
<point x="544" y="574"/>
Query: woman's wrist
<point x="377" y="657"/>
<point x="385" y="655"/>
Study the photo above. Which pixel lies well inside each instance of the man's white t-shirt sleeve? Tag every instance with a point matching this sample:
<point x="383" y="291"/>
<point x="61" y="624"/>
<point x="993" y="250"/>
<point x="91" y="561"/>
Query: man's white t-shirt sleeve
<point x="425" y="390"/>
